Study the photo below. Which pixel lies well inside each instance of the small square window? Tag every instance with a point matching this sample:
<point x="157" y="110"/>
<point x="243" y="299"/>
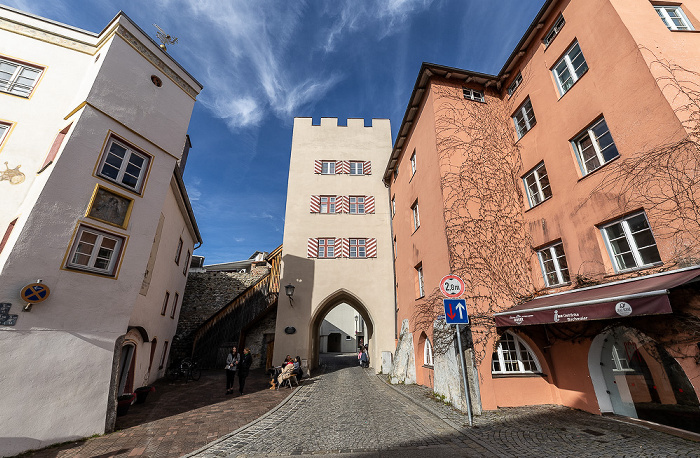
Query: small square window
<point x="416" y="218"/>
<point x="328" y="167"/>
<point x="537" y="185"/>
<point x="524" y="118"/>
<point x="357" y="205"/>
<point x="95" y="251"/>
<point x="18" y="78"/>
<point x="595" y="147"/>
<point x="124" y="165"/>
<point x="471" y="94"/>
<point x="674" y="18"/>
<point x="570" y="68"/>
<point x="357" y="248"/>
<point x="357" y="168"/>
<point x="326" y="248"/>
<point x="328" y="204"/>
<point x="631" y="243"/>
<point x="553" y="263"/>
<point x="554" y="31"/>
<point x="514" y="85"/>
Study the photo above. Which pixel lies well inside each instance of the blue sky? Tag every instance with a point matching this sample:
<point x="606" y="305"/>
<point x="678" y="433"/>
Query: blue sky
<point x="264" y="62"/>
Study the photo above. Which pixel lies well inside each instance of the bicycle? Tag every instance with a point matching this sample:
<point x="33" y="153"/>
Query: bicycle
<point x="187" y="368"/>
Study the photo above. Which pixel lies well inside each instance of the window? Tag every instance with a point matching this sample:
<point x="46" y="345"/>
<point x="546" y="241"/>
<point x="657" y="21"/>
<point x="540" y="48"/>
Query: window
<point x="471" y="94"/>
<point x="554" y="31"/>
<point x="178" y="252"/>
<point x="619" y="360"/>
<point x="165" y="353"/>
<point x="570" y="68"/>
<point x="513" y="356"/>
<point x="4" y="129"/>
<point x="416" y="218"/>
<point x="427" y="353"/>
<point x="357" y="204"/>
<point x="165" y="303"/>
<point x="328" y="167"/>
<point x="393" y="206"/>
<point x="95" y="251"/>
<point x="18" y="78"/>
<point x="175" y="301"/>
<point x="357" y="248"/>
<point x="514" y="85"/>
<point x="357" y="168"/>
<point x="186" y="267"/>
<point x="54" y="147"/>
<point x="326" y="248"/>
<point x="555" y="270"/>
<point x="420" y="291"/>
<point x="124" y="165"/>
<point x="674" y="18"/>
<point x="595" y="147"/>
<point x="413" y="163"/>
<point x="537" y="185"/>
<point x="327" y="204"/>
<point x="524" y="118"/>
<point x="631" y="243"/>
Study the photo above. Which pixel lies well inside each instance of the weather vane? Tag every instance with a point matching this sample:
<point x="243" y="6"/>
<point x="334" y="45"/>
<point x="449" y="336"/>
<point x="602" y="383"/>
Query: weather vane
<point x="164" y="38"/>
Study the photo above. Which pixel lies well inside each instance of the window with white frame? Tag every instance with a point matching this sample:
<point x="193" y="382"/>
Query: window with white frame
<point x="620" y="361"/>
<point x="514" y="85"/>
<point x="4" y="129"/>
<point x="18" y="78"/>
<point x="357" y="248"/>
<point x="555" y="270"/>
<point x="95" y="251"/>
<point x="326" y="248"/>
<point x="554" y="31"/>
<point x="471" y="94"/>
<point x="416" y="217"/>
<point x="393" y="206"/>
<point x="674" y="18"/>
<point x="537" y="185"/>
<point x="595" y="147"/>
<point x="357" y="168"/>
<point x="328" y="167"/>
<point x="427" y="353"/>
<point x="357" y="205"/>
<point x="413" y="163"/>
<point x="327" y="204"/>
<point x="513" y="356"/>
<point x="524" y="118"/>
<point x="570" y="68"/>
<point x="420" y="291"/>
<point x="124" y="165"/>
<point x="631" y="243"/>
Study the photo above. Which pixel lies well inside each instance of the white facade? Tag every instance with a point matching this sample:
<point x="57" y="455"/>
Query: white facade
<point x="60" y="375"/>
<point x="362" y="279"/>
<point x="341" y="329"/>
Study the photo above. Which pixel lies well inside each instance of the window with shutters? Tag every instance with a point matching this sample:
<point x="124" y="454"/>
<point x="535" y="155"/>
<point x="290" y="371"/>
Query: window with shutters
<point x="328" y="167"/>
<point x="570" y="68"/>
<point x="673" y="17"/>
<point x="95" y="251"/>
<point x="631" y="243"/>
<point x="513" y="356"/>
<point x="537" y="185"/>
<point x="18" y="78"/>
<point x="357" y="205"/>
<point x="357" y="248"/>
<point x="357" y="168"/>
<point x="327" y="204"/>
<point x="555" y="270"/>
<point x="326" y="248"/>
<point x="595" y="147"/>
<point x="124" y="165"/>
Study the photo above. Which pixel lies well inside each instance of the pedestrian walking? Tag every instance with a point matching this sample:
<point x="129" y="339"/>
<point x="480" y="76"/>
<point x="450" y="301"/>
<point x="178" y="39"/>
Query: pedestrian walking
<point x="232" y="361"/>
<point x="244" y="368"/>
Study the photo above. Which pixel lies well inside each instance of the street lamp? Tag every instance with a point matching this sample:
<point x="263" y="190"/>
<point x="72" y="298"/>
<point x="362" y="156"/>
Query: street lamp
<point x="289" y="291"/>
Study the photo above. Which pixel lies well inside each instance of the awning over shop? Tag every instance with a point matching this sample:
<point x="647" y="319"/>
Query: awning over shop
<point x="633" y="297"/>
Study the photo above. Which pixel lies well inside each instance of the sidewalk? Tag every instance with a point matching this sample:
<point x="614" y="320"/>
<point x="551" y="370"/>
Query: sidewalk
<point x="178" y="418"/>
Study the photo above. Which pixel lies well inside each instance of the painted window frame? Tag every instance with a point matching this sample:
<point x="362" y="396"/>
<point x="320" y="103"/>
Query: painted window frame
<point x="327" y="246"/>
<point x="130" y="151"/>
<point x="632" y="243"/>
<point x="358" y="205"/>
<point x="553" y="31"/>
<point x="330" y="203"/>
<point x="541" y="183"/>
<point x="523" y="122"/>
<point x="357" y="248"/>
<point x="668" y="20"/>
<point x="416" y="216"/>
<point x="473" y="95"/>
<point x="9" y="85"/>
<point x="354" y="168"/>
<point x="515" y="84"/>
<point x="558" y="262"/>
<point x="567" y="59"/>
<point x="506" y="366"/>
<point x="589" y="133"/>
<point x="93" y="255"/>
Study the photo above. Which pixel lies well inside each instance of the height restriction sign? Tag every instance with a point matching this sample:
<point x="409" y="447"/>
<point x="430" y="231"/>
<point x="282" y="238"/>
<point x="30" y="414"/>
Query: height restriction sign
<point x="452" y="286"/>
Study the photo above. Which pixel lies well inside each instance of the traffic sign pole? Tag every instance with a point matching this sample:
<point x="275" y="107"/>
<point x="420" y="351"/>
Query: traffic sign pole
<point x="464" y="378"/>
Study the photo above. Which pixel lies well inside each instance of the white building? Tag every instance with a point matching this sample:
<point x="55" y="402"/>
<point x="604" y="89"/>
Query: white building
<point x="92" y="127"/>
<point x="342" y="330"/>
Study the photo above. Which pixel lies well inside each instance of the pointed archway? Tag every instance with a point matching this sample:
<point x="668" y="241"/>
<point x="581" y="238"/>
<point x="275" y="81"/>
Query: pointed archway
<point x="341" y="296"/>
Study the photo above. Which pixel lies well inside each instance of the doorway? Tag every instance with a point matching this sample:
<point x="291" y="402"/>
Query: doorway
<point x="334" y="342"/>
<point x="126" y="369"/>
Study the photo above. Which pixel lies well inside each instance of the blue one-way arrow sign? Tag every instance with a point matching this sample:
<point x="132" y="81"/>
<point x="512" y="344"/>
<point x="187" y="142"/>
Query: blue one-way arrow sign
<point x="456" y="311"/>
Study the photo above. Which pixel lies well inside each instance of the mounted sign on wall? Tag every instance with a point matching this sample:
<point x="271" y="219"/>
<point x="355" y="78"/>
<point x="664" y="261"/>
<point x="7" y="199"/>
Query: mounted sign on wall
<point x="34" y="293"/>
<point x="452" y="286"/>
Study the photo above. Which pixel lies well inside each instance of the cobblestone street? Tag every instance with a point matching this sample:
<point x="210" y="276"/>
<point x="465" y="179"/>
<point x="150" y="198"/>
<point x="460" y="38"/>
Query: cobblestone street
<point x="350" y="412"/>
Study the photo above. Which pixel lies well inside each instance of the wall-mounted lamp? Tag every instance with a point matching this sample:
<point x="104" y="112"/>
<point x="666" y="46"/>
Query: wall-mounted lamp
<point x="289" y="291"/>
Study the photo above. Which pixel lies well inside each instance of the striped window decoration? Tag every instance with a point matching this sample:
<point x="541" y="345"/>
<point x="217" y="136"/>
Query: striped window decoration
<point x="342" y="204"/>
<point x="329" y="247"/>
<point x="338" y="249"/>
<point x="315" y="204"/>
<point x="368" y="168"/>
<point x="340" y="167"/>
<point x="369" y="204"/>
<point x="343" y="167"/>
<point x="318" y="166"/>
<point x="312" y="248"/>
<point x="371" y="246"/>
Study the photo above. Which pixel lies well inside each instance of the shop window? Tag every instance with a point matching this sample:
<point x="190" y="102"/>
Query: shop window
<point x="513" y="356"/>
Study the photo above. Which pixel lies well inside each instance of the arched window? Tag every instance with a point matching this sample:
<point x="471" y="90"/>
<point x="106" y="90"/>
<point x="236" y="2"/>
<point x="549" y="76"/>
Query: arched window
<point x="427" y="353"/>
<point x="513" y="356"/>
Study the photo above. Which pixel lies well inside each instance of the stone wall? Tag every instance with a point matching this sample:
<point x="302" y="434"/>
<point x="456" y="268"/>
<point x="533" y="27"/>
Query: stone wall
<point x="404" y="367"/>
<point x="259" y="335"/>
